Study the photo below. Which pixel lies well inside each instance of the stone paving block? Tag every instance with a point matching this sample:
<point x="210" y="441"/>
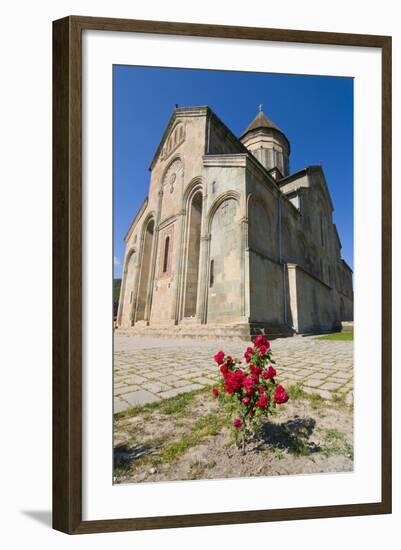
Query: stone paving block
<point x="180" y="383"/>
<point x="343" y="375"/>
<point x="203" y="380"/>
<point x="305" y="373"/>
<point x="175" y="391"/>
<point x="331" y="386"/>
<point x="125" y="389"/>
<point x="156" y="387"/>
<point x="170" y="378"/>
<point x="323" y="393"/>
<point x="313" y="382"/>
<point x="349" y="398"/>
<point x="293" y="375"/>
<point x="321" y="375"/>
<point x="119" y="405"/>
<point x="134" y="379"/>
<point x="140" y="397"/>
<point x="156" y="375"/>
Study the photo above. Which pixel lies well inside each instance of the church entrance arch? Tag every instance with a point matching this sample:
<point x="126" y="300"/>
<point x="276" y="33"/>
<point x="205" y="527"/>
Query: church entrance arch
<point x="193" y="253"/>
<point x="127" y="295"/>
<point x="144" y="290"/>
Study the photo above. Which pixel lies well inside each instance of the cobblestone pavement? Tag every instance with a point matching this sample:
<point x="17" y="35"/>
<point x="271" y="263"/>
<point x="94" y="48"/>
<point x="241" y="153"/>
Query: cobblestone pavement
<point x="149" y="369"/>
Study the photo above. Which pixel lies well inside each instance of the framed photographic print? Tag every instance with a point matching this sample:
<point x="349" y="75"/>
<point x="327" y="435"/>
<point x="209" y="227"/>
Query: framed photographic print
<point x="222" y="274"/>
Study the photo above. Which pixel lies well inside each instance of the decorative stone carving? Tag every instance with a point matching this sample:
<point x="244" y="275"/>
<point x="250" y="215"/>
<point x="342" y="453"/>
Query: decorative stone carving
<point x="175" y="139"/>
<point x="174" y="171"/>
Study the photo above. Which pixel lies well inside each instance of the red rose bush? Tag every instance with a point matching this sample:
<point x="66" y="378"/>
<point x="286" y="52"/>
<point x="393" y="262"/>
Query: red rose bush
<point x="249" y="391"/>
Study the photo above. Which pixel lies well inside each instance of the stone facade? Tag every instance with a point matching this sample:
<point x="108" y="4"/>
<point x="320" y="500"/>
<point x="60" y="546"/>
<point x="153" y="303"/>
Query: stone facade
<point x="228" y="242"/>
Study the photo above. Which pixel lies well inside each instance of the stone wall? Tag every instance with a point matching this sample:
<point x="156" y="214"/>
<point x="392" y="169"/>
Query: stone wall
<point x="224" y="285"/>
<point x="313" y="304"/>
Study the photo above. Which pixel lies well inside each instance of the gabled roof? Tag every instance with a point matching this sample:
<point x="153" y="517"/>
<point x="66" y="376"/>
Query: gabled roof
<point x="178" y="113"/>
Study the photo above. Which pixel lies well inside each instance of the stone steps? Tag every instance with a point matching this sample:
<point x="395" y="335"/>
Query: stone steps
<point x="208" y="332"/>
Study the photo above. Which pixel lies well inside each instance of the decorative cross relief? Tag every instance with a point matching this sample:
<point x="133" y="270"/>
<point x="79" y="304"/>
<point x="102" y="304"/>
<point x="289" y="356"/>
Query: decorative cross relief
<point x="174" y="171"/>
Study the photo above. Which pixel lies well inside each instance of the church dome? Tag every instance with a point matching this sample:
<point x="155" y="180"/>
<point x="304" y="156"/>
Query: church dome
<point x="261" y="121"/>
<point x="268" y="143"/>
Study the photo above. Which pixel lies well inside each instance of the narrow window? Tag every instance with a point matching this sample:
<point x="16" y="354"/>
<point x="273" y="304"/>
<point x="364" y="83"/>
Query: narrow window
<point x="130" y="296"/>
<point x="166" y="247"/>
<point x="211" y="273"/>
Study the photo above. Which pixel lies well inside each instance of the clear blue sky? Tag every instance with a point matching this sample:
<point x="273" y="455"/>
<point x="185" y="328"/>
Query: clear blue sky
<point x="315" y="113"/>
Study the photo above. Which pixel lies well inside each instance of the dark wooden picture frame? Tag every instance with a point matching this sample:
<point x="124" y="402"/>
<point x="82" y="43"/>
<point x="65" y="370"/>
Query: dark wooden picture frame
<point x="67" y="274"/>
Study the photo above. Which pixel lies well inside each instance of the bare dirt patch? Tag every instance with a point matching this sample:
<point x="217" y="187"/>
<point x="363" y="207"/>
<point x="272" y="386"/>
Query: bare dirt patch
<point x="189" y="439"/>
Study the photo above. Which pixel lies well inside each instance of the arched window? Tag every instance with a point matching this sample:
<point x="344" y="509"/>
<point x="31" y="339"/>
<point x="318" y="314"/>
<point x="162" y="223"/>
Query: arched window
<point x="166" y="247"/>
<point x="211" y="273"/>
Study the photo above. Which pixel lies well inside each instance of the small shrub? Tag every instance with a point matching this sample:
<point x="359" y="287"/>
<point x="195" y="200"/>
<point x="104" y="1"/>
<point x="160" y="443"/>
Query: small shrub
<point x="248" y="391"/>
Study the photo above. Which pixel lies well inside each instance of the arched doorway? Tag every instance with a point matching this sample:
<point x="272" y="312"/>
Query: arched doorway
<point x="143" y="290"/>
<point x="128" y="294"/>
<point x="193" y="250"/>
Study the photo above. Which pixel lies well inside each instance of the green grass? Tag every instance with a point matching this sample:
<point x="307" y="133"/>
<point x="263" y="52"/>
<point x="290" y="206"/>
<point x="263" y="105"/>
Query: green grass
<point x="198" y="468"/>
<point x="175" y="406"/>
<point x="296" y="391"/>
<point x="206" y="426"/>
<point x="342" y="336"/>
<point x="336" y="444"/>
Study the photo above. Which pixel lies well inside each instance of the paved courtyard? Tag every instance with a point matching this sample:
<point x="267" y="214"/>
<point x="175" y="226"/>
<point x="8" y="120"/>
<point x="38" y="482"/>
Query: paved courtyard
<point x="148" y="369"/>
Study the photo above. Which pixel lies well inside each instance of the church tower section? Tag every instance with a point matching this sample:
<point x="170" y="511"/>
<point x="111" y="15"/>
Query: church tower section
<point x="268" y="144"/>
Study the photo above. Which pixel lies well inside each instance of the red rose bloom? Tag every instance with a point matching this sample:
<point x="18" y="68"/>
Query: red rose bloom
<point x="262" y="401"/>
<point x="270" y="373"/>
<point x="248" y="354"/>
<point x="248" y="384"/>
<point x="259" y="340"/>
<point x="262" y="350"/>
<point x="255" y="369"/>
<point x="237" y="423"/>
<point x="245" y="400"/>
<point x="215" y="392"/>
<point x="280" y="395"/>
<point x="261" y="389"/>
<point x="219" y="357"/>
<point x="224" y="370"/>
<point x="233" y="381"/>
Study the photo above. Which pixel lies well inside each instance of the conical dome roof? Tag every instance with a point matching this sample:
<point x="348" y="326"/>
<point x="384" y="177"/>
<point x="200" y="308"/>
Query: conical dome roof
<point x="261" y="121"/>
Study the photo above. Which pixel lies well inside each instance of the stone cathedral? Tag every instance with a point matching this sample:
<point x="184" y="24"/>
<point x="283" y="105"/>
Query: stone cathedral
<point x="228" y="241"/>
